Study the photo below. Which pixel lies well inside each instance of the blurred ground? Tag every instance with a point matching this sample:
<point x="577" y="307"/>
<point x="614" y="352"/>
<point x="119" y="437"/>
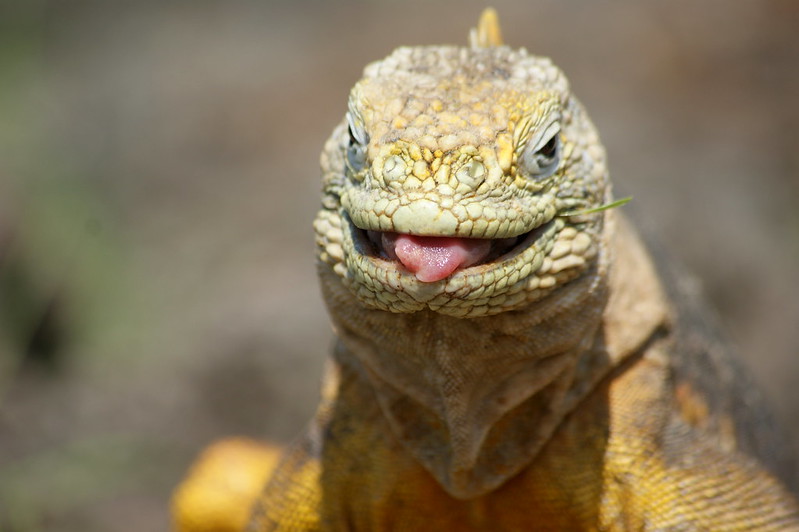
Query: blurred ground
<point x="158" y="178"/>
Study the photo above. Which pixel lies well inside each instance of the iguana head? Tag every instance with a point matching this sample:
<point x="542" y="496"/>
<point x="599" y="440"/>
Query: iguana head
<point x="453" y="182"/>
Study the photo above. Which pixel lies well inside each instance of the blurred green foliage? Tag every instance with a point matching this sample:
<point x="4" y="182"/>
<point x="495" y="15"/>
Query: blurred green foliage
<point x="59" y="288"/>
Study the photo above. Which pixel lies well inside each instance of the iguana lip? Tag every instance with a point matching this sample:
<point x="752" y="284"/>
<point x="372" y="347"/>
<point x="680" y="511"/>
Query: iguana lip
<point x="373" y="244"/>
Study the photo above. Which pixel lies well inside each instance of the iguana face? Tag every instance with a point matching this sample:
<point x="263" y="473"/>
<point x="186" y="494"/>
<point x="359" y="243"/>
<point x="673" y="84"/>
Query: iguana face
<point x="453" y="182"/>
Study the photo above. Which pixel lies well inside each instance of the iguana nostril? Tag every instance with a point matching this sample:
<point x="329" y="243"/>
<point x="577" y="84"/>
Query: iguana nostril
<point x="471" y="174"/>
<point x="394" y="168"/>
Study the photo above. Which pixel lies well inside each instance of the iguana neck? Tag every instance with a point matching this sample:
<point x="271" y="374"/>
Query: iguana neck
<point x="474" y="400"/>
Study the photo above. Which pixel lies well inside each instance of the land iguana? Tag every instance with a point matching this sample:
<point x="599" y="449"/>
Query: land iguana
<point x="507" y="357"/>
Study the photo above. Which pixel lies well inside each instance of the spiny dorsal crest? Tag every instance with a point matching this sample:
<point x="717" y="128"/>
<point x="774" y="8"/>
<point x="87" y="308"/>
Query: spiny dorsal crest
<point x="487" y="33"/>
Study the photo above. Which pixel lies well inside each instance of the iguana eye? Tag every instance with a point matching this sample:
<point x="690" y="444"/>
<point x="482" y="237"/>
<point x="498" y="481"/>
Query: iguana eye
<point x="356" y="147"/>
<point x="542" y="156"/>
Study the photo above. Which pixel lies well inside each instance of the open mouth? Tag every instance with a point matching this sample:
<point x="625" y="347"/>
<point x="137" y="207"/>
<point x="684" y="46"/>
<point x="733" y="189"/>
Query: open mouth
<point x="433" y="258"/>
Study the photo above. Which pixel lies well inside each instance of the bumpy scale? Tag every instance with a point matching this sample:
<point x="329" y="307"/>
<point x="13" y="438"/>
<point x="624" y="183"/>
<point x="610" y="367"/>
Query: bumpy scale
<point x="507" y="357"/>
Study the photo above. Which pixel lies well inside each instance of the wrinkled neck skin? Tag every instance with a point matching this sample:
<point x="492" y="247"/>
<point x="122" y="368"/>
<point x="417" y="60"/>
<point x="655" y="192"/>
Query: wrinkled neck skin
<point x="474" y="400"/>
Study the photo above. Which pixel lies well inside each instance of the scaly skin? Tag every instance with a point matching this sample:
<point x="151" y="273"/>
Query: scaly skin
<point x="452" y="145"/>
<point x="552" y="386"/>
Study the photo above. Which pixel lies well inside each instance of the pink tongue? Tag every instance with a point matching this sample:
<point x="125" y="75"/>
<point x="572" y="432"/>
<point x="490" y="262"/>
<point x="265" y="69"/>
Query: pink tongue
<point x="434" y="258"/>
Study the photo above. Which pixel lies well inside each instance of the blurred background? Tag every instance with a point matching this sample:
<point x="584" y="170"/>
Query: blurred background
<point x="159" y="175"/>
